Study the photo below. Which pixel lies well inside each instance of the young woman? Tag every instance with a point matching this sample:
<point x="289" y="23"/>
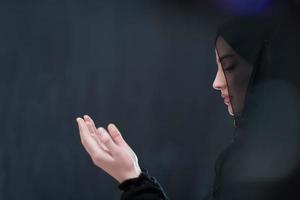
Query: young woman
<point x="258" y="78"/>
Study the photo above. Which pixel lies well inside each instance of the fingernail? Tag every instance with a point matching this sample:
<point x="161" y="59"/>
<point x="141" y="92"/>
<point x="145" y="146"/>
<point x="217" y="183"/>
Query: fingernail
<point x="101" y="130"/>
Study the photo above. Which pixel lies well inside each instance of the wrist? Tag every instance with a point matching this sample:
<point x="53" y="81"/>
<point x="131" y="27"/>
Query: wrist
<point x="131" y="175"/>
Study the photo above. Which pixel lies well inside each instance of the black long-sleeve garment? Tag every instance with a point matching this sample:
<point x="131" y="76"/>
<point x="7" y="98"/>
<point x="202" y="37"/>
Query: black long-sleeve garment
<point x="263" y="160"/>
<point x="144" y="187"/>
<point x="270" y="171"/>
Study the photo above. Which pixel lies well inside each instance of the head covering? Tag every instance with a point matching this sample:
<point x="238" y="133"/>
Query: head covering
<point x="263" y="79"/>
<point x="258" y="50"/>
<point x="241" y="46"/>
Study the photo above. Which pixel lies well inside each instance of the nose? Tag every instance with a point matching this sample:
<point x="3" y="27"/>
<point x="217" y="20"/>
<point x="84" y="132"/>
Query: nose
<point x="219" y="82"/>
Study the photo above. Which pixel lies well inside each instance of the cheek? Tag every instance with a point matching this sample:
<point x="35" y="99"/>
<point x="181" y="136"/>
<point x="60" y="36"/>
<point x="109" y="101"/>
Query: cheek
<point x="226" y="90"/>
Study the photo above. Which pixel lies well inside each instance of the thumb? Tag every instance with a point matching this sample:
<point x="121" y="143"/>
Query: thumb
<point x="116" y="135"/>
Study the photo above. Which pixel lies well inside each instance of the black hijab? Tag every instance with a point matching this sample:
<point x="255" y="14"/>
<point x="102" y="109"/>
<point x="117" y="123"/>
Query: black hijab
<point x="262" y="71"/>
<point x="241" y="45"/>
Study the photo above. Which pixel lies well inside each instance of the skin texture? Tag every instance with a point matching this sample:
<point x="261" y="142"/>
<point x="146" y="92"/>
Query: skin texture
<point x="109" y="151"/>
<point x="220" y="84"/>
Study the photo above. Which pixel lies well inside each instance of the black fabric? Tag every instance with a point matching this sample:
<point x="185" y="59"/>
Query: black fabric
<point x="263" y="78"/>
<point x="144" y="187"/>
<point x="243" y="40"/>
<point x="263" y="161"/>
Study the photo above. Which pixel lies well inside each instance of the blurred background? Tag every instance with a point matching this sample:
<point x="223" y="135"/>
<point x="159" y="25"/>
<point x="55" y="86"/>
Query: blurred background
<point x="147" y="66"/>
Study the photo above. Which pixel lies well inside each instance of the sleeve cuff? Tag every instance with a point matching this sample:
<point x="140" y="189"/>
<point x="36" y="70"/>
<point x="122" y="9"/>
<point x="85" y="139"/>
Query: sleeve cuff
<point x="142" y="178"/>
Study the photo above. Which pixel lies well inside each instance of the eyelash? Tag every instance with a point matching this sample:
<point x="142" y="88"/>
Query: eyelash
<point x="230" y="67"/>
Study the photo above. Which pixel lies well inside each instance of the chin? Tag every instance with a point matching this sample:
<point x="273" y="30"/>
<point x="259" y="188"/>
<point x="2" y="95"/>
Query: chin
<point x="230" y="111"/>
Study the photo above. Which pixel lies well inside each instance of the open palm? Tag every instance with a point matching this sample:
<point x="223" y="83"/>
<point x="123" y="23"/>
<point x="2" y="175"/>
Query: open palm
<point x="108" y="149"/>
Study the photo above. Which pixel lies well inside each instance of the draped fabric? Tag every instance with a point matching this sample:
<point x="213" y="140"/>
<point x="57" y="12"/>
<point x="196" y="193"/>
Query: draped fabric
<point x="262" y="73"/>
<point x="260" y="61"/>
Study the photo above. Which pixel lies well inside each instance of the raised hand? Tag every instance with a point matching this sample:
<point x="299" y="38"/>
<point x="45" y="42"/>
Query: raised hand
<point x="108" y="150"/>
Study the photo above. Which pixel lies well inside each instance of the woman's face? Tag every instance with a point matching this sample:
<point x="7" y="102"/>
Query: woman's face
<point x="233" y="76"/>
<point x="221" y="85"/>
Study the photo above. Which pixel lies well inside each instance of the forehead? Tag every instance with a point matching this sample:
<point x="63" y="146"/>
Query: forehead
<point x="219" y="65"/>
<point x="222" y="47"/>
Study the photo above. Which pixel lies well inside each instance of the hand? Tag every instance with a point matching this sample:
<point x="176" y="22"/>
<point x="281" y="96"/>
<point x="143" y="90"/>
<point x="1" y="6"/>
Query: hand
<point x="108" y="150"/>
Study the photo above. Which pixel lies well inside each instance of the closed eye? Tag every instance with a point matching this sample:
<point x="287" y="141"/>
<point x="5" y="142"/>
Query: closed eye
<point x="229" y="67"/>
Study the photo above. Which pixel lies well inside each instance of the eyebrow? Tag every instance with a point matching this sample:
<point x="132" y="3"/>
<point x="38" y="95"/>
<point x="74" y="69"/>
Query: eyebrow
<point x="225" y="56"/>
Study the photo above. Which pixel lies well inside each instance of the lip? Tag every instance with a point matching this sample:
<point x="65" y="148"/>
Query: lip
<point x="224" y="96"/>
<point x="226" y="99"/>
<point x="227" y="102"/>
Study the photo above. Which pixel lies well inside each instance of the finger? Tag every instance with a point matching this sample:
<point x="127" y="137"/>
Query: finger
<point x="115" y="134"/>
<point x="99" y="141"/>
<point x="90" y="127"/>
<point x="107" y="140"/>
<point x="90" y="120"/>
<point x="88" y="141"/>
<point x="94" y="132"/>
